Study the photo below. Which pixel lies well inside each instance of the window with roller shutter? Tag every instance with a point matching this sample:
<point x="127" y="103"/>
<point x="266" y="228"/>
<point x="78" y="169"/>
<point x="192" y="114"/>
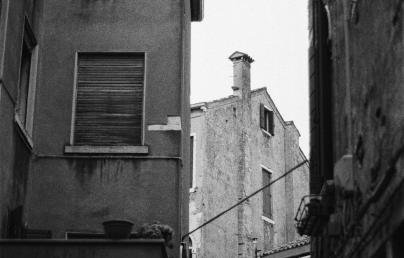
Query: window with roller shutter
<point x="109" y="99"/>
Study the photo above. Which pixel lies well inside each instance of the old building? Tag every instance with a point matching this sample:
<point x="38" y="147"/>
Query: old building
<point x="94" y="114"/>
<point x="239" y="144"/>
<point x="357" y="129"/>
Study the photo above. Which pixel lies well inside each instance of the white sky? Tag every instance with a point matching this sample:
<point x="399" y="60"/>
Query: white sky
<point x="274" y="33"/>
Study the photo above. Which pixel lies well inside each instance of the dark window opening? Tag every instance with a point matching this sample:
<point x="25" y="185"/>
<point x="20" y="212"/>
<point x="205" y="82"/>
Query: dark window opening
<point x="196" y="10"/>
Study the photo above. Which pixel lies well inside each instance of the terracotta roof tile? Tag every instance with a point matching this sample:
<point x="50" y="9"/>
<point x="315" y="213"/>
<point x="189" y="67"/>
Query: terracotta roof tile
<point x="297" y="243"/>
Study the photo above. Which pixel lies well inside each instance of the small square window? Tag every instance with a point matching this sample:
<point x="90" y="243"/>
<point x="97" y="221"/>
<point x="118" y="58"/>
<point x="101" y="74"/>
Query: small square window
<point x="267" y="120"/>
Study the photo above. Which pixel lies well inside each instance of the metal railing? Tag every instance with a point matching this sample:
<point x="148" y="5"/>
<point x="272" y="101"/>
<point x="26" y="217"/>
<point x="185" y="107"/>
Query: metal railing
<point x="307" y="214"/>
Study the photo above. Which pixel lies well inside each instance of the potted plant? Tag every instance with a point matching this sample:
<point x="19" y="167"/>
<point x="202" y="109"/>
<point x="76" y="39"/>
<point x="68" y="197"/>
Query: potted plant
<point x="156" y="230"/>
<point x="117" y="229"/>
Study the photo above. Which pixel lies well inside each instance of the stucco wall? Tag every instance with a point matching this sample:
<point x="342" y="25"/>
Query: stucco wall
<point x="220" y="184"/>
<point x="271" y="154"/>
<point x="301" y="183"/>
<point x="217" y="132"/>
<point x="78" y="192"/>
<point x="84" y="25"/>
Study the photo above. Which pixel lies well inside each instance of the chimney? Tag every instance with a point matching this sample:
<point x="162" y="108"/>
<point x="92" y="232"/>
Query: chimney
<point x="241" y="74"/>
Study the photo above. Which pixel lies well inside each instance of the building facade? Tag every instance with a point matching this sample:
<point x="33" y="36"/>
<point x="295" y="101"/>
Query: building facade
<point x="94" y="114"/>
<point x="357" y="122"/>
<point x="239" y="144"/>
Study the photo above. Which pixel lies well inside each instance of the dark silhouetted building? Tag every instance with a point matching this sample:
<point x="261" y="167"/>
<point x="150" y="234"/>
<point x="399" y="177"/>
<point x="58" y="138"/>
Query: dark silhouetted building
<point x="357" y="129"/>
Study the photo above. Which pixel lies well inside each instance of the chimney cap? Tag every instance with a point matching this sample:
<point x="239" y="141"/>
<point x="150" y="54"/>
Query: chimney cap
<point x="241" y="56"/>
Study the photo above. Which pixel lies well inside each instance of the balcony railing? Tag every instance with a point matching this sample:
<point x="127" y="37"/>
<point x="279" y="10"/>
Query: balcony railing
<point x="314" y="210"/>
<point x="307" y="214"/>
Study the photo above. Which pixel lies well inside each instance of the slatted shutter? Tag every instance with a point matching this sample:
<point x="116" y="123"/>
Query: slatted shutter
<point x="267" y="197"/>
<point x="109" y="101"/>
<point x="271" y="122"/>
<point x="262" y="116"/>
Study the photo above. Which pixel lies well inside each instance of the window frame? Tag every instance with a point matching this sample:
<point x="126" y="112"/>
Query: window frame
<point x="264" y="122"/>
<point x="25" y="124"/>
<point x="193" y="187"/>
<point x="133" y="149"/>
<point x="264" y="217"/>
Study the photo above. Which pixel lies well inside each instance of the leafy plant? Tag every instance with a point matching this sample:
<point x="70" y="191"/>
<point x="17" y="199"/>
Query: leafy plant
<point x="156" y="230"/>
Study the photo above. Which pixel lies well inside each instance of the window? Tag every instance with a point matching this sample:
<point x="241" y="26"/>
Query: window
<point x="192" y="176"/>
<point x="191" y="179"/>
<point x="266" y="194"/>
<point x="268" y="235"/>
<point x="267" y="120"/>
<point x="109" y="99"/>
<point x="321" y="100"/>
<point x="26" y="83"/>
<point x="196" y="10"/>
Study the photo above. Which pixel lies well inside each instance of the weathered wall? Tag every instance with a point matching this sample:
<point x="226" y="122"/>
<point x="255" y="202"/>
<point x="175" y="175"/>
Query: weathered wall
<point x="301" y="183"/>
<point x="218" y="154"/>
<point x="368" y="45"/>
<point x="271" y="154"/>
<point x="196" y="198"/>
<point x="220" y="180"/>
<point x="377" y="74"/>
<point x="77" y="195"/>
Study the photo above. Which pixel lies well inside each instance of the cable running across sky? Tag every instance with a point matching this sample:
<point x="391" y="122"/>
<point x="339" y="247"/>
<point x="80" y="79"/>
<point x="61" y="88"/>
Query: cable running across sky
<point x="245" y="199"/>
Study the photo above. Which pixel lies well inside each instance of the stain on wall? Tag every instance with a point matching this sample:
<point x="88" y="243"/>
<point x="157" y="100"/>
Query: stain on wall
<point x="218" y="157"/>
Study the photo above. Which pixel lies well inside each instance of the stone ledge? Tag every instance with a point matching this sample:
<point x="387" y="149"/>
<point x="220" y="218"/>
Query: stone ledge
<point x="72" y="149"/>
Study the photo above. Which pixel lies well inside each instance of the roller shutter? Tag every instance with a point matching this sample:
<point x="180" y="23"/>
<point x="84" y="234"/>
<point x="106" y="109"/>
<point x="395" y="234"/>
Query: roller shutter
<point x="109" y="100"/>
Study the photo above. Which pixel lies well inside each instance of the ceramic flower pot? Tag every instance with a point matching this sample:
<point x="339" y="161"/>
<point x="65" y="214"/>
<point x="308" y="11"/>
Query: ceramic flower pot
<point x="117" y="229"/>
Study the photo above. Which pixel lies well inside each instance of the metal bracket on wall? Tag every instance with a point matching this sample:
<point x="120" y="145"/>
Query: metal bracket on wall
<point x="354" y="12"/>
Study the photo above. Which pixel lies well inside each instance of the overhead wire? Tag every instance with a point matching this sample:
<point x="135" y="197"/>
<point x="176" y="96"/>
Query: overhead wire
<point x="244" y="199"/>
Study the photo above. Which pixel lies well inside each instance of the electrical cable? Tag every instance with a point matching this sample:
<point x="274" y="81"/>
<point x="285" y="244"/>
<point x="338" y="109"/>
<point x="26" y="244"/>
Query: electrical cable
<point x="244" y="199"/>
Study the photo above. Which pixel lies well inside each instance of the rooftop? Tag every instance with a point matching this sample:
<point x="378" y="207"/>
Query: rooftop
<point x="294" y="244"/>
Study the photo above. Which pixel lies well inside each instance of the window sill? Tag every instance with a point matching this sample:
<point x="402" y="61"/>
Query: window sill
<point x="266" y="132"/>
<point x="23" y="132"/>
<point x="270" y="221"/>
<point x="141" y="149"/>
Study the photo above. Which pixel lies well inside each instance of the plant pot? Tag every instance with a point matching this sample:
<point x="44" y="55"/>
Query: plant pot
<point x="117" y="229"/>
